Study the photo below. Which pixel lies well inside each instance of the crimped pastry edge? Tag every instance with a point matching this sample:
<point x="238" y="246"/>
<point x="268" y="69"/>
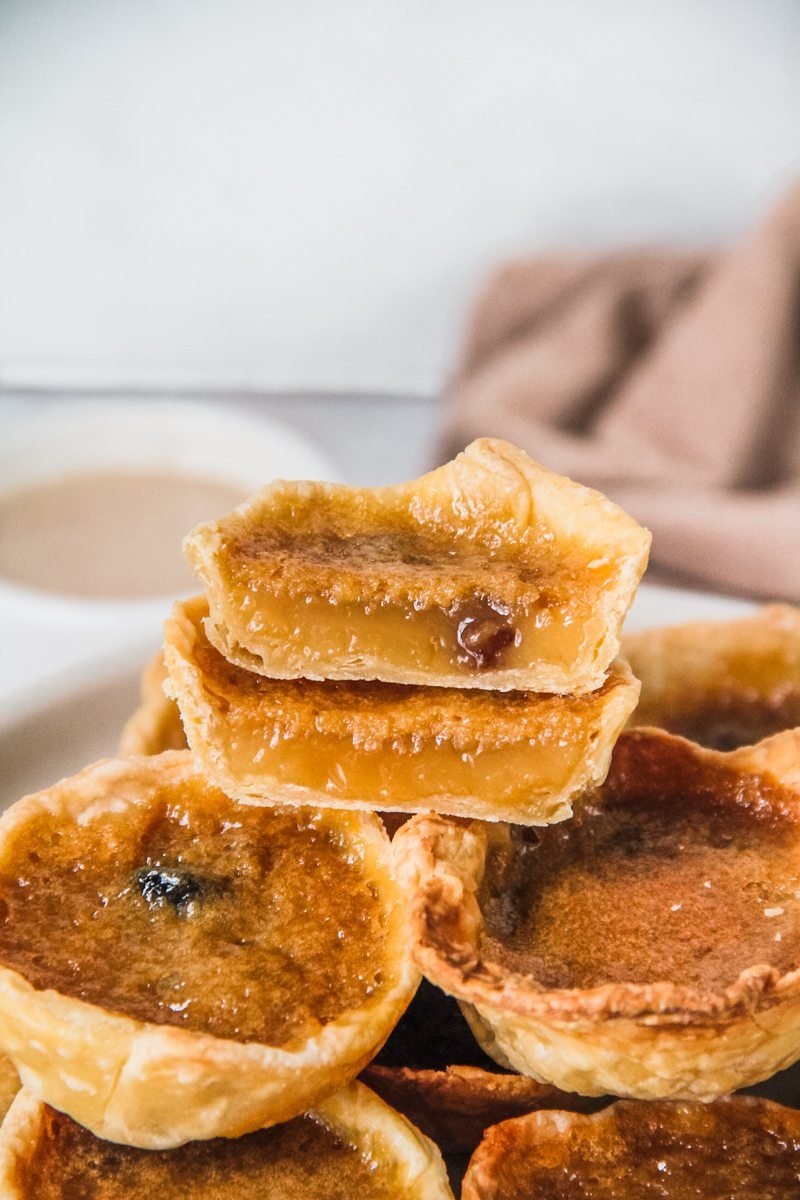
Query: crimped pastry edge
<point x="511" y="479"/>
<point x="661" y="1040"/>
<point x="354" y="1111"/>
<point x="157" y="1086"/>
<point x="208" y="738"/>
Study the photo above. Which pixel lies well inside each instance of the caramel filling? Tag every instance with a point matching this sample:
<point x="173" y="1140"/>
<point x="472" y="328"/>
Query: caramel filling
<point x="248" y="923"/>
<point x="301" y="1160"/>
<point x="631" y="894"/>
<point x="663" y="1151"/>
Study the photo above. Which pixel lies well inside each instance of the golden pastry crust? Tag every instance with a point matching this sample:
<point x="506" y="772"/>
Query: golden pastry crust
<point x="721" y="683"/>
<point x="405" y="1162"/>
<point x="158" y="1085"/>
<point x="376" y="746"/>
<point x="155" y="726"/>
<point x="661" y="1038"/>
<point x="738" y="1146"/>
<point x="490" y="572"/>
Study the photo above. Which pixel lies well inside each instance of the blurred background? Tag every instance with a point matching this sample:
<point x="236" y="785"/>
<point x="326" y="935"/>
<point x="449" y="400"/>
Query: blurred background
<point x="368" y="232"/>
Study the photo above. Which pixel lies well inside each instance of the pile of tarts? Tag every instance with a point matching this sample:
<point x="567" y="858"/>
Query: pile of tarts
<point x="211" y="951"/>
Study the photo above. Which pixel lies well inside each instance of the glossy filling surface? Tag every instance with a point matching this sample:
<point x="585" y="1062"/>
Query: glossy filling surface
<point x="247" y="923"/>
<point x="300" y="1160"/>
<point x="631" y="893"/>
<point x="391" y="744"/>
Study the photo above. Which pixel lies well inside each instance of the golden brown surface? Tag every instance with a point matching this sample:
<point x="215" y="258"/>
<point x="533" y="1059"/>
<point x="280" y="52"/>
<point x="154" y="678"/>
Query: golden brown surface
<point x="650" y="888"/>
<point x="390" y="746"/>
<point x="721" y="683"/>
<point x="155" y="726"/>
<point x="300" y="1160"/>
<point x="742" y="1149"/>
<point x="191" y="911"/>
<point x="489" y="572"/>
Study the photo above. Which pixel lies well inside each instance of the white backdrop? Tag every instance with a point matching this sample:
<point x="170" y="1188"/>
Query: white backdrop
<point x="305" y="193"/>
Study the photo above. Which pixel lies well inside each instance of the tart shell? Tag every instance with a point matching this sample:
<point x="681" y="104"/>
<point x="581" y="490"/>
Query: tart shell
<point x="354" y="1112"/>
<point x="155" y="726"/>
<point x="647" y="1041"/>
<point x="157" y="1086"/>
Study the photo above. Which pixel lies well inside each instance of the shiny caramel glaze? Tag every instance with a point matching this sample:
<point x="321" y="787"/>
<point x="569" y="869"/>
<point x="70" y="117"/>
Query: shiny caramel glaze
<point x="299" y="1160"/>
<point x="721" y="683"/>
<point x="679" y="870"/>
<point x="170" y="904"/>
<point x="737" y="1149"/>
<point x="490" y="566"/>
<point x="385" y="745"/>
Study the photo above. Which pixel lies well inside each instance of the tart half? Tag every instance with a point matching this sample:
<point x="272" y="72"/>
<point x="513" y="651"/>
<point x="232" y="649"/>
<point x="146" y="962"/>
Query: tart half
<point x="155" y="726"/>
<point x="350" y="1145"/>
<point x="174" y="966"/>
<point x="721" y="683"/>
<point x="741" y="1147"/>
<point x="648" y="948"/>
<point x="490" y="572"/>
<point x="515" y="756"/>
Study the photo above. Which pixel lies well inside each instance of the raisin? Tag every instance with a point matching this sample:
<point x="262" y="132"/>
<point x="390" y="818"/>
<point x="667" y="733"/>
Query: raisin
<point x="176" y="887"/>
<point x="484" y="639"/>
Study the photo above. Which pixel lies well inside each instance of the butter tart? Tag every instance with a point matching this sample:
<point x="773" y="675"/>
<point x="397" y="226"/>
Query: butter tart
<point x="514" y="756"/>
<point x="156" y="723"/>
<point x="738" y="1149"/>
<point x="721" y="683"/>
<point x="434" y="1071"/>
<point x="649" y="947"/>
<point x="174" y="966"/>
<point x="350" y="1145"/>
<point x="490" y="572"/>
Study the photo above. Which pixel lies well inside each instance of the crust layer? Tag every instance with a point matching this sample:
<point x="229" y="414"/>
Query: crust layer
<point x="662" y="1039"/>
<point x="155" y="726"/>
<point x="674" y="1151"/>
<point x="375" y="746"/>
<point x="544" y="567"/>
<point x="721" y="683"/>
<point x="401" y="1154"/>
<point x="157" y="1086"/>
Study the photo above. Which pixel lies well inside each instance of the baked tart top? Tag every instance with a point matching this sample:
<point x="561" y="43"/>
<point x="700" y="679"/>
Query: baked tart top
<point x="673" y="894"/>
<point x="738" y="1147"/>
<point x="352" y="1145"/>
<point x="383" y="746"/>
<point x="721" y="683"/>
<point x="489" y="572"/>
<point x="251" y="924"/>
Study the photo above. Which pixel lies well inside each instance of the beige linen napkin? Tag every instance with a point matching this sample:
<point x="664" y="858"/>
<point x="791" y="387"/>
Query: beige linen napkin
<point x="671" y="381"/>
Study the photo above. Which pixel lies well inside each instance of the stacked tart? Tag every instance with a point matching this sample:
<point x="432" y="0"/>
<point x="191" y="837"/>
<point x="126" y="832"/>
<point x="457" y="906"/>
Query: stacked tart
<point x="206" y="941"/>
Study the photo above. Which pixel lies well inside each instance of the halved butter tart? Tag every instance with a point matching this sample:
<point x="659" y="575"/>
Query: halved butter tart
<point x="491" y="572"/>
<point x="517" y="756"/>
<point x="156" y="724"/>
<point x="174" y="966"/>
<point x="721" y="683"/>
<point x="649" y="947"/>
<point x="351" y="1146"/>
<point x="734" y="1149"/>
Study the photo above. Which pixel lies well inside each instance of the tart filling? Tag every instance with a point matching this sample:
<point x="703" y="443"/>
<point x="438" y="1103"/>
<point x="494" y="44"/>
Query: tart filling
<point x="155" y="726"/>
<point x="490" y="572"/>
<point x="242" y="932"/>
<point x="351" y="1145"/>
<point x="738" y="1147"/>
<point x="513" y="756"/>
<point x="721" y="683"/>
<point x="607" y="954"/>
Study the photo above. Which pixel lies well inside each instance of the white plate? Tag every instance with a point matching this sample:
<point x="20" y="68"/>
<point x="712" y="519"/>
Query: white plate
<point x="78" y="716"/>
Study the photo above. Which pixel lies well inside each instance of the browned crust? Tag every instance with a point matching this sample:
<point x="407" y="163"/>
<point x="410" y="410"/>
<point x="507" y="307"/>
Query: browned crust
<point x="441" y="862"/>
<point x="456" y="1105"/>
<point x="747" y="670"/>
<point x="155" y="725"/>
<point x="547" y="1137"/>
<point x="369" y="713"/>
